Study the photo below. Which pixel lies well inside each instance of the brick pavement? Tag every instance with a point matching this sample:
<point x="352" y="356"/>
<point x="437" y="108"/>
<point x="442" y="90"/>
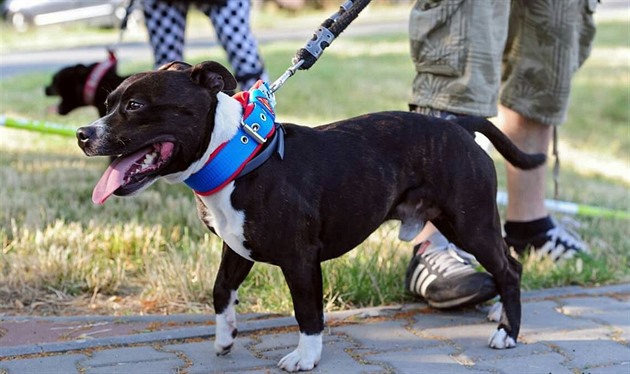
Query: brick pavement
<point x="564" y="330"/>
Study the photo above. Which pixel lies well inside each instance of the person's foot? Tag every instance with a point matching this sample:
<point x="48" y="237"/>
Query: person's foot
<point x="439" y="274"/>
<point x="558" y="243"/>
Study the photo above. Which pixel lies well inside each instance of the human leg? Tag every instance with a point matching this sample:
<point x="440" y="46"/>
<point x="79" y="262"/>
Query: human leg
<point x="231" y="23"/>
<point x="525" y="188"/>
<point x="440" y="272"/>
<point x="456" y="48"/>
<point x="166" y="23"/>
<point x="538" y="67"/>
<point x="528" y="223"/>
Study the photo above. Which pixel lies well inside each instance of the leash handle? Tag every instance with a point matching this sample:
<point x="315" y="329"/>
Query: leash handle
<point x="328" y="31"/>
<point x="331" y="28"/>
<point x="347" y="15"/>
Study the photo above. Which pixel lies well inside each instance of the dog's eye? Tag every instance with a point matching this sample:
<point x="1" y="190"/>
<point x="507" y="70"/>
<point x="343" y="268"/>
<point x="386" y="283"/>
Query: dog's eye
<point x="134" y="105"/>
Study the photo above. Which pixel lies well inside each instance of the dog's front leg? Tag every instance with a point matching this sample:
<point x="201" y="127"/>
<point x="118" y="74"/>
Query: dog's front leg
<point x="232" y="272"/>
<point x="305" y="283"/>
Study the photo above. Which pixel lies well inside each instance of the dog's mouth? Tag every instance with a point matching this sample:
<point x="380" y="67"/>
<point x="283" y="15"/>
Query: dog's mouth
<point x="129" y="173"/>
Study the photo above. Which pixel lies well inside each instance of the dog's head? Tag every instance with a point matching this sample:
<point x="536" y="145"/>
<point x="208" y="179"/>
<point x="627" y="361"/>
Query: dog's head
<point x="68" y="84"/>
<point x="160" y="124"/>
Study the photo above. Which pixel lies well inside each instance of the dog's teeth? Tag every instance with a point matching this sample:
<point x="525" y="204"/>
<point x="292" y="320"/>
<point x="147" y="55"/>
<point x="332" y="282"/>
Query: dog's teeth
<point x="149" y="160"/>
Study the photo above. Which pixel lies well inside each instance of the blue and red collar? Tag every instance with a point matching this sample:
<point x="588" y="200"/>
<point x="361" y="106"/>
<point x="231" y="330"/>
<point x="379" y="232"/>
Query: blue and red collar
<point x="242" y="152"/>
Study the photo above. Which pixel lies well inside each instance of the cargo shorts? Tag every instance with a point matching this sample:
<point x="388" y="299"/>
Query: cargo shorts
<point x="470" y="55"/>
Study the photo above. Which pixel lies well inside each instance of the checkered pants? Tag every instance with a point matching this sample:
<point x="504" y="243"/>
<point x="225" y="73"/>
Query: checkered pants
<point x="166" y="23"/>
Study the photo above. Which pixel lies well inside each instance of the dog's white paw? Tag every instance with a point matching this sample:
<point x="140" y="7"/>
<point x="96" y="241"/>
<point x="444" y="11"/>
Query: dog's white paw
<point x="225" y="333"/>
<point x="226" y="328"/>
<point x="494" y="315"/>
<point x="305" y="356"/>
<point x="501" y="340"/>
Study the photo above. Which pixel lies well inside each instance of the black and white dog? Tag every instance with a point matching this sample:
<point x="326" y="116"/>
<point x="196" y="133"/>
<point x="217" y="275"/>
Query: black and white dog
<point x="336" y="184"/>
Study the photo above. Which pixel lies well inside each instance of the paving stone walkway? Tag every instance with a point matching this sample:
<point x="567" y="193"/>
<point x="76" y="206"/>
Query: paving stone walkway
<point x="564" y="330"/>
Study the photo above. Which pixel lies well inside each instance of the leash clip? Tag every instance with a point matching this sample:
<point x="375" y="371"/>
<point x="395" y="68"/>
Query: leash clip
<point x="283" y="78"/>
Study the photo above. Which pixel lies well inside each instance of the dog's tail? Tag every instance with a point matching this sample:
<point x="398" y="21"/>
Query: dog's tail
<point x="501" y="142"/>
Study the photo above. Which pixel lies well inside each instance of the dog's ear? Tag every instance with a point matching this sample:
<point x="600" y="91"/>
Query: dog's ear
<point x="175" y="65"/>
<point x="213" y="76"/>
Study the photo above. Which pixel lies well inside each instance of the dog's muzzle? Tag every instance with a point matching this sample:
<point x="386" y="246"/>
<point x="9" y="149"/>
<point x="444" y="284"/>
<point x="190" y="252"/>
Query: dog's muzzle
<point x="86" y="137"/>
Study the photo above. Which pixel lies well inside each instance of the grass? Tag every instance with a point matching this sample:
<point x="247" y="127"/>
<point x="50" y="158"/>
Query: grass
<point x="150" y="254"/>
<point x="600" y="107"/>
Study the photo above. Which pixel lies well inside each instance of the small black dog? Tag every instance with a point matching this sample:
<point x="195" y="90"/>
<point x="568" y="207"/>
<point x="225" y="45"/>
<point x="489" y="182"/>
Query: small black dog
<point x="81" y="85"/>
<point x="336" y="184"/>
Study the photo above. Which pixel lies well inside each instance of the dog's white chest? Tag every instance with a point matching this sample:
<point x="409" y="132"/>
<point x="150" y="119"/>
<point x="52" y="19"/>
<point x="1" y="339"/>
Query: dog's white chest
<point x="226" y="221"/>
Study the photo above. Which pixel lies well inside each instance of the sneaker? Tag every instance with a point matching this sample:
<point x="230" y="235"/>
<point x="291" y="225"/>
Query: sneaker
<point x="445" y="277"/>
<point x="558" y="243"/>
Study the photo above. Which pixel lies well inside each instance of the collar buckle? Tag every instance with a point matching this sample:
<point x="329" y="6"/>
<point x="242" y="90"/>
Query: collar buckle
<point x="253" y="132"/>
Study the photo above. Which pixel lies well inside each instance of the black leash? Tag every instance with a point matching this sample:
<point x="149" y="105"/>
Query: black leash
<point x="123" y="25"/>
<point x="322" y="38"/>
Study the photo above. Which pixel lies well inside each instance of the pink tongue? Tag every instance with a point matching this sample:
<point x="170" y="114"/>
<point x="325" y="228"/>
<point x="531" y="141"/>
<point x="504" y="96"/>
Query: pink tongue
<point x="114" y="176"/>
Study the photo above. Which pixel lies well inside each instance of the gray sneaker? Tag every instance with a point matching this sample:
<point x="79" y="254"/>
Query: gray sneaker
<point x="558" y="243"/>
<point x="445" y="276"/>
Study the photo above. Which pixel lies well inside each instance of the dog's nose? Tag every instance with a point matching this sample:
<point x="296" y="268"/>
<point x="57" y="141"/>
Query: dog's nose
<point x="85" y="134"/>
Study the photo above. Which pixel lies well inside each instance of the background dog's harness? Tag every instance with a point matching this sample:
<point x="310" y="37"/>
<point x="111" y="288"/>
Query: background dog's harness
<point x="96" y="75"/>
<point x="246" y="150"/>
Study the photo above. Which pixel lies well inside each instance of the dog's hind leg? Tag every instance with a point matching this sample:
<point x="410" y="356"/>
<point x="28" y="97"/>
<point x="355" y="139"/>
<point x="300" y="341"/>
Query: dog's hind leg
<point x="305" y="283"/>
<point x="480" y="235"/>
<point x="511" y="311"/>
<point x="506" y="271"/>
<point x="231" y="274"/>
